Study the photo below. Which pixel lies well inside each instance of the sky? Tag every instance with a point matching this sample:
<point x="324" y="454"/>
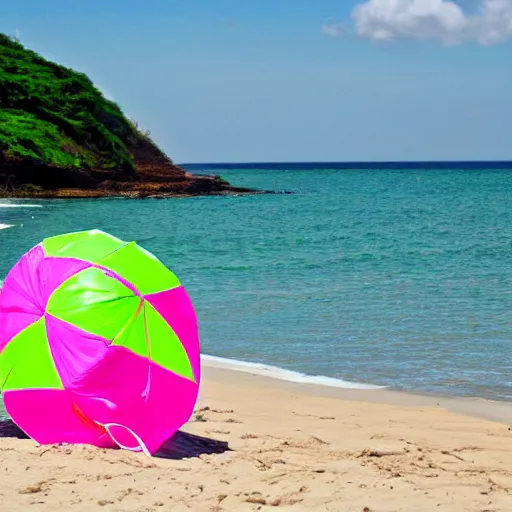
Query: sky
<point x="292" y="80"/>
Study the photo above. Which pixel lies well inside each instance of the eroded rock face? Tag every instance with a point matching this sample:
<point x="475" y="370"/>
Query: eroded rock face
<point x="46" y="182"/>
<point x="157" y="177"/>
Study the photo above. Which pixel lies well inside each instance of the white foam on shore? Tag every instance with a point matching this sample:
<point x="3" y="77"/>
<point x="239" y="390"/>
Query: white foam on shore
<point x="19" y="205"/>
<point x="274" y="372"/>
<point x="5" y="226"/>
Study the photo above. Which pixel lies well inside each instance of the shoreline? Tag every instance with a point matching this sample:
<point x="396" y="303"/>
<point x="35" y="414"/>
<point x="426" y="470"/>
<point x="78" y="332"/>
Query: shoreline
<point x="101" y="194"/>
<point x="98" y="194"/>
<point x="158" y="178"/>
<point x="260" y="375"/>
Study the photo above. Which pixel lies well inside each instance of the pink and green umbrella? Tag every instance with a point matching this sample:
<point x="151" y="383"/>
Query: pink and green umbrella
<point x="99" y="344"/>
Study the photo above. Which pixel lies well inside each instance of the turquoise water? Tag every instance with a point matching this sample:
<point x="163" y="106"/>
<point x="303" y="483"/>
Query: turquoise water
<point x="400" y="278"/>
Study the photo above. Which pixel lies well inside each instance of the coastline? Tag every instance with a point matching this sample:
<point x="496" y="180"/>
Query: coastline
<point x="153" y="176"/>
<point x="187" y="186"/>
<point x="99" y="194"/>
<point x="256" y="375"/>
<point x="292" y="446"/>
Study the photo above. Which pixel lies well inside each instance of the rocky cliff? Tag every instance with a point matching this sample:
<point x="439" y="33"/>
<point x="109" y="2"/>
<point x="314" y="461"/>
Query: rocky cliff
<point x="60" y="137"/>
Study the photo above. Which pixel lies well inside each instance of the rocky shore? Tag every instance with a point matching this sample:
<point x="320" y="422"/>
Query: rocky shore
<point x="157" y="181"/>
<point x="155" y="176"/>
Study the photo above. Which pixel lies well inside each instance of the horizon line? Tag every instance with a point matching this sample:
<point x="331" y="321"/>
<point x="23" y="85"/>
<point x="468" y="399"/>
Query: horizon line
<point x="344" y="162"/>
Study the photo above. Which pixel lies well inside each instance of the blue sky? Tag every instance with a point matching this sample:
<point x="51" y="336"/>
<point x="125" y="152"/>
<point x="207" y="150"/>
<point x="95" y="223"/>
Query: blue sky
<point x="293" y="80"/>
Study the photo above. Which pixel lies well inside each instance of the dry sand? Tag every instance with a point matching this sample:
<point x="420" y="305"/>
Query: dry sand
<point x="294" y="447"/>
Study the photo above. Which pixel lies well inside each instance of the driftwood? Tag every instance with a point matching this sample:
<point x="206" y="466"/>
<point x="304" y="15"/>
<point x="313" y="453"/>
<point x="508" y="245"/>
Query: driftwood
<point x="182" y="445"/>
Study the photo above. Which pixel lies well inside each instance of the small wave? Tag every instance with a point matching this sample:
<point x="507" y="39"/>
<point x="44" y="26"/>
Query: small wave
<point x="5" y="226"/>
<point x="280" y="373"/>
<point x="19" y="205"/>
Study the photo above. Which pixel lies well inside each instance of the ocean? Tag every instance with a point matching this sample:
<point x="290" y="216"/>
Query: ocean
<point x="364" y="276"/>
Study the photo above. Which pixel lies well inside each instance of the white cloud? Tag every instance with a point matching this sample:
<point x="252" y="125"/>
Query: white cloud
<point x="444" y="21"/>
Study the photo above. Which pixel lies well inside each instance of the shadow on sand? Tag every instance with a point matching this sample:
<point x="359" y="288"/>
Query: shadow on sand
<point x="181" y="446"/>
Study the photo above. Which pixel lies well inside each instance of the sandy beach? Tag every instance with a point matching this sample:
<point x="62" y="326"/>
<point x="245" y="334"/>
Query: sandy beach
<point x="294" y="447"/>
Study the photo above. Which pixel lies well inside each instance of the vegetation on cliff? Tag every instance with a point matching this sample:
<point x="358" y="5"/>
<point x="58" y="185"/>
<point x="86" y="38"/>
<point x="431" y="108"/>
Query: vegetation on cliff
<point x="55" y="115"/>
<point x="60" y="137"/>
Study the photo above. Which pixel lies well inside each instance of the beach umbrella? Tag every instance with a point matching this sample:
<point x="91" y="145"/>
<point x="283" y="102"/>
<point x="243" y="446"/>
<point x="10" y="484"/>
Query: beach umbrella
<point x="98" y="344"/>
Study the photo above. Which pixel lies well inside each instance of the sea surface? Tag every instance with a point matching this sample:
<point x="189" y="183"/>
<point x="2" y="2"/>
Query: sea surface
<point x="363" y="276"/>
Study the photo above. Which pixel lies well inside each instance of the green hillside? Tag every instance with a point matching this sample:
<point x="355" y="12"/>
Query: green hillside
<point x="53" y="115"/>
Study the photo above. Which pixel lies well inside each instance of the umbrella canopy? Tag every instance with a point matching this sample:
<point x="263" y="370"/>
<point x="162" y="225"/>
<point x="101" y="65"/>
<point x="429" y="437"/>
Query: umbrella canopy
<point x="99" y="344"/>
